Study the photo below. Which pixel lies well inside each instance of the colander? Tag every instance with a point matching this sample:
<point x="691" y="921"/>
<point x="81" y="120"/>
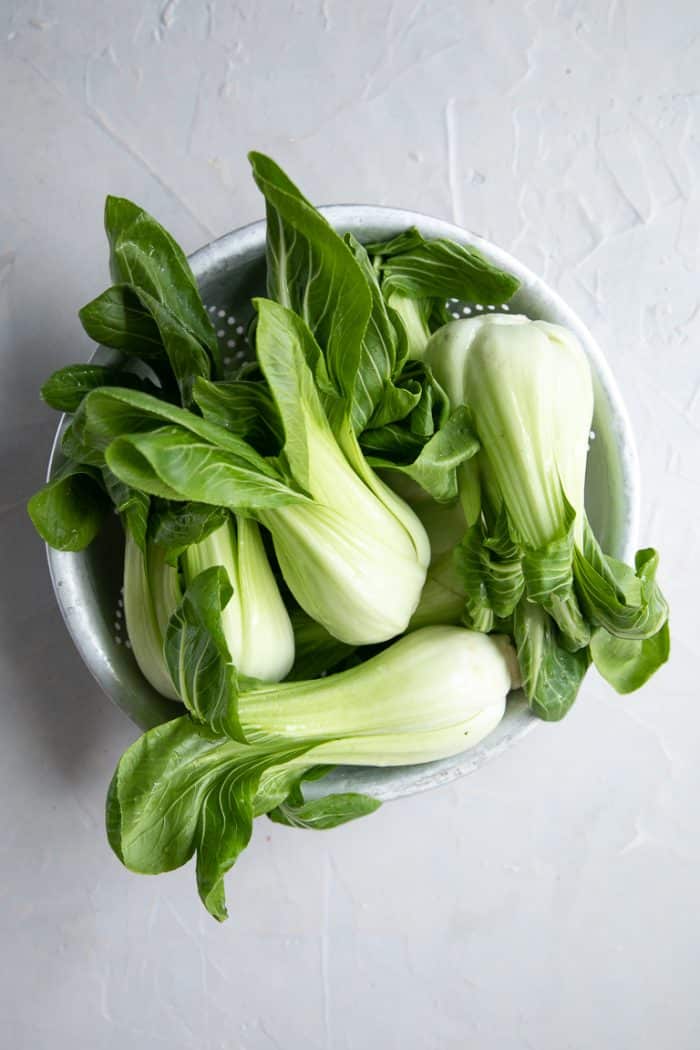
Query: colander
<point x="230" y="271"/>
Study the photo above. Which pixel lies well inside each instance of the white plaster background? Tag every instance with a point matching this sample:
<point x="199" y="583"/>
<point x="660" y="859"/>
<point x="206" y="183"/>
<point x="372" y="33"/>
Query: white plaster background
<point x="550" y="901"/>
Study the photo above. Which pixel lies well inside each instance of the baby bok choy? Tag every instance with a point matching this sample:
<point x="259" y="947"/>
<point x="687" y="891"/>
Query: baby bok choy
<point x="356" y="557"/>
<point x="195" y="784"/>
<point x="152" y="593"/>
<point x="530" y="561"/>
<point x="352" y="553"/>
<point x="255" y="623"/>
<point x="371" y="507"/>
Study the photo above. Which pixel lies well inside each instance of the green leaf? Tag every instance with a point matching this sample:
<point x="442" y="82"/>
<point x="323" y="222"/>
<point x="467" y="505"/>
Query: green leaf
<point x="124" y="327"/>
<point x="414" y="317"/>
<point x="435" y="466"/>
<point x="316" y="651"/>
<point x="433" y="407"/>
<point x="145" y="255"/>
<point x="491" y="571"/>
<point x="188" y="359"/>
<point x="393" y="442"/>
<point x="548" y="570"/>
<point x="627" y="663"/>
<point x="505" y="585"/>
<point x="627" y="603"/>
<point x="245" y="408"/>
<point x="499" y="540"/>
<point x="68" y="511"/>
<point x="321" y="813"/>
<point x="403" y="242"/>
<point x="109" y="413"/>
<point x="175" y="464"/>
<point x="284" y="348"/>
<point x="549" y="582"/>
<point x="441" y="269"/>
<point x="127" y="463"/>
<point x="117" y="318"/>
<point x="398" y="402"/>
<point x="176" y="526"/>
<point x="311" y="271"/>
<point x="182" y="788"/>
<point x="407" y="424"/>
<point x="198" y="657"/>
<point x="472" y="571"/>
<point x="552" y="675"/>
<point x="66" y="388"/>
<point x="152" y="593"/>
<point x="566" y="613"/>
<point x="374" y="390"/>
<point x="134" y="506"/>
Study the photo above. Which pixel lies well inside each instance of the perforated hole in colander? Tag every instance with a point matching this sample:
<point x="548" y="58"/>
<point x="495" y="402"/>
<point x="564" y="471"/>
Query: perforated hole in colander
<point x="232" y="333"/>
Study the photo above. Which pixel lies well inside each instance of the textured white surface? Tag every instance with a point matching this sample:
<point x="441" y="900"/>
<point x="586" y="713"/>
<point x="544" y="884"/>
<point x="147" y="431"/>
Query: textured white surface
<point x="549" y="901"/>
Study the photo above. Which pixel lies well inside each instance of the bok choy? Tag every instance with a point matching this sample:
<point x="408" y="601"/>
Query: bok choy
<point x="529" y="552"/>
<point x="346" y="549"/>
<point x="196" y="783"/>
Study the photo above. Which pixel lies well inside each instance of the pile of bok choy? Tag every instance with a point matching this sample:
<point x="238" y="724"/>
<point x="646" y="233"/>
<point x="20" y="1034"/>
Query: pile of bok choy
<point x="348" y="549"/>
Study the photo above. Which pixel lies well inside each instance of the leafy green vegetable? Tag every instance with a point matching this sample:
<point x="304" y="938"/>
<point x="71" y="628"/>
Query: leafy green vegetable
<point x="311" y="271"/>
<point x="552" y="675"/>
<point x="110" y="413"/>
<point x="176" y="526"/>
<point x="186" y="356"/>
<point x="418" y="275"/>
<point x="627" y="603"/>
<point x="428" y="444"/>
<point x="68" y="512"/>
<point x="117" y="318"/>
<point x="176" y="464"/>
<point x="414" y="316"/>
<point x="376" y="399"/>
<point x="440" y="269"/>
<point x="254" y="621"/>
<point x="355" y="537"/>
<point x="144" y="255"/>
<point x="66" y="388"/>
<point x="430" y="409"/>
<point x="513" y="376"/>
<point x="154" y="310"/>
<point x="473" y="568"/>
<point x="243" y="407"/>
<point x="133" y="506"/>
<point x="481" y="429"/>
<point x="627" y="663"/>
<point x="198" y="656"/>
<point x="529" y="390"/>
<point x="401" y="243"/>
<point x="435" y="466"/>
<point x="181" y="789"/>
<point x="184" y="788"/>
<point x="321" y="813"/>
<point x="386" y="709"/>
<point x="151" y="596"/>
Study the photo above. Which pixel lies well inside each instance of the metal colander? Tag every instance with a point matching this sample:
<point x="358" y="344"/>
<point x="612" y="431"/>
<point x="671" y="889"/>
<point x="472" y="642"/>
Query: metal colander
<point x="230" y="272"/>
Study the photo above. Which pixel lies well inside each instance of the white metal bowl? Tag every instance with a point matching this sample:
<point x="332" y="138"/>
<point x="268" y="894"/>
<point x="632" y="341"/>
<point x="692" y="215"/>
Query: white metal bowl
<point x="230" y="271"/>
